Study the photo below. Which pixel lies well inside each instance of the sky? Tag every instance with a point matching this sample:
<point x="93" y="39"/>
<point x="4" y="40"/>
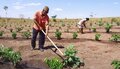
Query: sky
<point x="61" y="8"/>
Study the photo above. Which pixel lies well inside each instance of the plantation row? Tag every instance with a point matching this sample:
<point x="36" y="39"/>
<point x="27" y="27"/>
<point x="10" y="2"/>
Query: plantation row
<point x="65" y="25"/>
<point x="58" y="34"/>
<point x="69" y="61"/>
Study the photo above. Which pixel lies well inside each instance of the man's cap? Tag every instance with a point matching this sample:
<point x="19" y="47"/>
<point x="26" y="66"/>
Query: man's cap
<point x="46" y="8"/>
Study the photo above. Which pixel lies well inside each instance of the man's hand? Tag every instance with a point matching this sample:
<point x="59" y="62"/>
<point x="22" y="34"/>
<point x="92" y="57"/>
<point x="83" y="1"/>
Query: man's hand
<point x="46" y="34"/>
<point x="40" y="28"/>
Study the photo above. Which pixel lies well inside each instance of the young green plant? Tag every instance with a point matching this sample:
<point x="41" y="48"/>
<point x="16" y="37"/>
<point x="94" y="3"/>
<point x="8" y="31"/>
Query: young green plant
<point x="58" y="34"/>
<point x="108" y="26"/>
<point x="97" y="36"/>
<point x="116" y="64"/>
<point x="1" y="33"/>
<point x="94" y="29"/>
<point x="115" y="37"/>
<point x="26" y="34"/>
<point x="54" y="63"/>
<point x="75" y="35"/>
<point x="14" y="35"/>
<point x="7" y="54"/>
<point x="71" y="59"/>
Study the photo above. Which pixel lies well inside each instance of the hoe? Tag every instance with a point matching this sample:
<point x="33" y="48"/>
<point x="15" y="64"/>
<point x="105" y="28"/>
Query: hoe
<point x="49" y="38"/>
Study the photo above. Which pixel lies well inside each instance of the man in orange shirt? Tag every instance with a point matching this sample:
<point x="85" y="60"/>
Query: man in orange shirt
<point x="42" y="19"/>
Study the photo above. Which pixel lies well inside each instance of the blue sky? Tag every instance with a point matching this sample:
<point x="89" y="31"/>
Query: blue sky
<point x="62" y="8"/>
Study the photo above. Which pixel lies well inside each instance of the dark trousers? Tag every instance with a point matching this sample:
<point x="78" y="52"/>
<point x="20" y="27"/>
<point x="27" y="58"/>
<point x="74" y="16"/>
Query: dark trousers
<point x="41" y="38"/>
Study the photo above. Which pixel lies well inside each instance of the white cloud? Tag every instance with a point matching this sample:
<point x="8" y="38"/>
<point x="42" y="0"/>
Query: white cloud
<point x="18" y="5"/>
<point x="58" y="9"/>
<point x="32" y="4"/>
<point x="116" y="3"/>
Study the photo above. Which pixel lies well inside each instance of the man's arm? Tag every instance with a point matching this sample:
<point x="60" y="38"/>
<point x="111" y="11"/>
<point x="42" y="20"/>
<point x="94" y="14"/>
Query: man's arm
<point x="84" y="25"/>
<point x="47" y="27"/>
<point x="35" y="18"/>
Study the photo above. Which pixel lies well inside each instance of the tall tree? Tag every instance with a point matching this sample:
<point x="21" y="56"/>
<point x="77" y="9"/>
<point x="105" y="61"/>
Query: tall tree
<point x="5" y="8"/>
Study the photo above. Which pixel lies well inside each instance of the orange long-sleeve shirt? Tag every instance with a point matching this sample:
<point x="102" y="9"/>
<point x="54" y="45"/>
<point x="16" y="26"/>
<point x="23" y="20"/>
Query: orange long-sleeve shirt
<point x="41" y="20"/>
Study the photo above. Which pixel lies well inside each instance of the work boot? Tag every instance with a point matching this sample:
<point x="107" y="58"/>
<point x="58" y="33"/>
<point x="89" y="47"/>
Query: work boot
<point x="32" y="49"/>
<point x="42" y="50"/>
